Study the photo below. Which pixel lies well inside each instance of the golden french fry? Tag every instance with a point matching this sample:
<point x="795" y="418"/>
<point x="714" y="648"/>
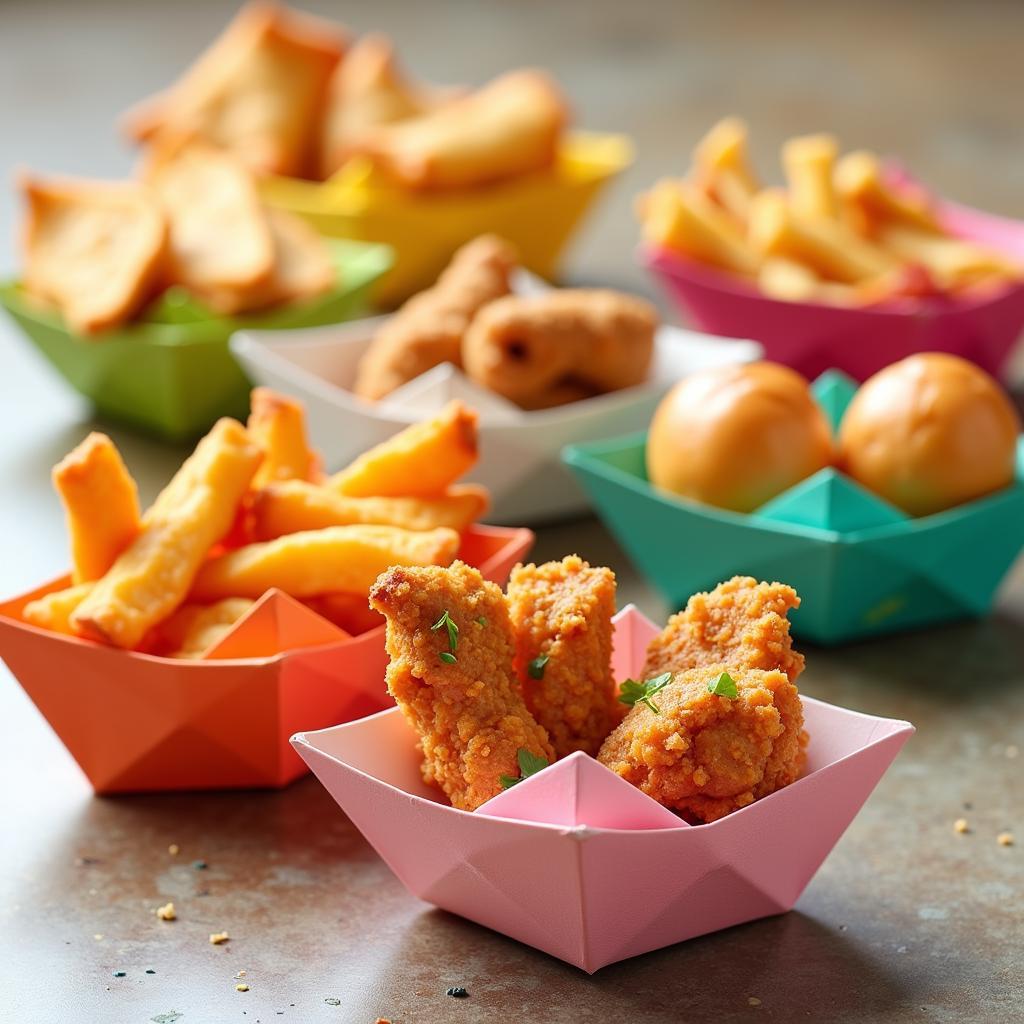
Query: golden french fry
<point x="828" y="247"/>
<point x="193" y="628"/>
<point x="101" y="504"/>
<point x="809" y="161"/>
<point x="953" y="263"/>
<point x="194" y="511"/>
<point x="96" y="250"/>
<point x="292" y="506"/>
<point x="339" y="558"/>
<point x="860" y="182"/>
<point x="508" y="128"/>
<point x="54" y="610"/>
<point x="350" y="612"/>
<point x="677" y="216"/>
<point x="789" y="280"/>
<point x="421" y="461"/>
<point x="278" y="425"/>
<point x="723" y="167"/>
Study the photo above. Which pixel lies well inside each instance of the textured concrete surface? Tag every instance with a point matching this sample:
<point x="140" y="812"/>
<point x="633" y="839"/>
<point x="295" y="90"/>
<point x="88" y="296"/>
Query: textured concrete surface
<point x="907" y="921"/>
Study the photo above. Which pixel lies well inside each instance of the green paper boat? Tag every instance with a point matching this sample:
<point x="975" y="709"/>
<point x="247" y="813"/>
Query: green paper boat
<point x="171" y="372"/>
<point x="861" y="566"/>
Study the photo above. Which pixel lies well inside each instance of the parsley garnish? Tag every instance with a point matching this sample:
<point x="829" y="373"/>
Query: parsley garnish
<point x="723" y="686"/>
<point x="631" y="692"/>
<point x="529" y="764"/>
<point x="536" y="667"/>
<point x="448" y="659"/>
<point x="453" y="636"/>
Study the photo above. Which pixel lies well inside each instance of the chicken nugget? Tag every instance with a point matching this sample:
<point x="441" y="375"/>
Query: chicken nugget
<point x="716" y="739"/>
<point x="451" y="647"/>
<point x="741" y="623"/>
<point x="562" y="619"/>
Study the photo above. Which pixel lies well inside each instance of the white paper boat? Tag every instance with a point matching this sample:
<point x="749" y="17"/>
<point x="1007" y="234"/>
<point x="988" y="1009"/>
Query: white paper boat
<point x="519" y="450"/>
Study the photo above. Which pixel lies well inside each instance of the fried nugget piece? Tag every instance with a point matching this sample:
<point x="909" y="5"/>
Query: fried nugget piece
<point x="562" y="620"/>
<point x="96" y="250"/>
<point x="706" y="755"/>
<point x="258" y="90"/>
<point x="529" y="347"/>
<point x="466" y="708"/>
<point x="303" y="267"/>
<point x="508" y="128"/>
<point x="428" y="329"/>
<point x="741" y="623"/>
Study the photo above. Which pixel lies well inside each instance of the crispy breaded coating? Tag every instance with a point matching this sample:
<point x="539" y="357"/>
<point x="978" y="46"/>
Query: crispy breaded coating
<point x="466" y="708"/>
<point x="706" y="755"/>
<point x="741" y="623"/>
<point x="562" y="611"/>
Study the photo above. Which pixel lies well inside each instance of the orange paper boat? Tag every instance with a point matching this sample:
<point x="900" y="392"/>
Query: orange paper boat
<point x="135" y="722"/>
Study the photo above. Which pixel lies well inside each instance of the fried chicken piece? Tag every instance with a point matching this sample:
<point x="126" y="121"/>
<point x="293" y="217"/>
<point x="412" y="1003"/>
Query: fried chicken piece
<point x="705" y="755"/>
<point x="741" y="623"/>
<point x="562" y="620"/>
<point x="428" y="329"/>
<point x="465" y="706"/>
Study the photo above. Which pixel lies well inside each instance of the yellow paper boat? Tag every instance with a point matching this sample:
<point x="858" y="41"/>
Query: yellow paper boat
<point x="537" y="212"/>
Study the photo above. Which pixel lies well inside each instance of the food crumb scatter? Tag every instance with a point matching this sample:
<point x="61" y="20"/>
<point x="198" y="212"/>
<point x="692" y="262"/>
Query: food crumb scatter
<point x="167" y="912"/>
<point x="332" y="1001"/>
<point x="217" y="938"/>
<point x="960" y="826"/>
<point x="1005" y="839"/>
<point x="457" y="992"/>
<point x="241" y="987"/>
<point x="174" y="849"/>
<point x="98" y="936"/>
<point x="753" y="1001"/>
<point x="241" y="974"/>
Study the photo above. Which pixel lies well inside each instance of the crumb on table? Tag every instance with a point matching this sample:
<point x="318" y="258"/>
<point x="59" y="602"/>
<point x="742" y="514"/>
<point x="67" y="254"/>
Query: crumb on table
<point x="1005" y="839"/>
<point x="218" y="938"/>
<point x="241" y="987"/>
<point x="167" y="912"/>
<point x="960" y="826"/>
<point x="174" y="849"/>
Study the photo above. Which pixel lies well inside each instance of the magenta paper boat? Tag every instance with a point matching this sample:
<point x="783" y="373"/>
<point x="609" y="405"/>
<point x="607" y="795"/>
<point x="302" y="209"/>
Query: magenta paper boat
<point x="543" y="862"/>
<point x="813" y="337"/>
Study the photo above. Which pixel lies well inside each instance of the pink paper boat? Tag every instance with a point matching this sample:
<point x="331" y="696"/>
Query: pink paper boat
<point x="544" y="862"/>
<point x="137" y="723"/>
<point x="813" y="337"/>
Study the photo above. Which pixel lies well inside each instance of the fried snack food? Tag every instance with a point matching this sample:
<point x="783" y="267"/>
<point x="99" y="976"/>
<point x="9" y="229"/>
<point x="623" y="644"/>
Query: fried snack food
<point x="336" y="559"/>
<point x="465" y="707"/>
<point x="195" y="510"/>
<point x="53" y="611"/>
<point x="509" y="127"/>
<point x="303" y="267"/>
<point x="860" y="182"/>
<point x="421" y="461"/>
<point x="429" y="328"/>
<point x="704" y="754"/>
<point x="349" y="612"/>
<point x="101" y="505"/>
<point x="278" y="425"/>
<point x="561" y="616"/>
<point x="194" y="628"/>
<point x="809" y="163"/>
<point x="722" y="168"/>
<point x="953" y="264"/>
<point x="527" y="347"/>
<point x="741" y="623"/>
<point x="293" y="505"/>
<point x="95" y="250"/>
<point x="257" y="91"/>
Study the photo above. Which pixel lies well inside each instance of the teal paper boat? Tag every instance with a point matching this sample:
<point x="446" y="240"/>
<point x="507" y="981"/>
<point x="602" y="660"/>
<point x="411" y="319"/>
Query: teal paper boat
<point x="171" y="373"/>
<point x="861" y="566"/>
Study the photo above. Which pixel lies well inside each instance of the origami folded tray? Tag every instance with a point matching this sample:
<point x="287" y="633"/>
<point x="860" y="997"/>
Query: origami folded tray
<point x="581" y="865"/>
<point x="171" y="373"/>
<point x="519" y="460"/>
<point x="537" y="212"/>
<point x="814" y="337"/>
<point x="861" y="566"/>
<point x="135" y="722"/>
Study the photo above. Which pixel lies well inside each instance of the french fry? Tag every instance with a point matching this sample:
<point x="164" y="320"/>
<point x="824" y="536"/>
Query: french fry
<point x="96" y="250"/>
<point x="953" y="263"/>
<point x="340" y="558"/>
<point x="194" y="511"/>
<point x="723" y="167"/>
<point x="421" y="461"/>
<point x="859" y="182"/>
<point x="101" y="504"/>
<point x="789" y="280"/>
<point x="679" y="217"/>
<point x="293" y="506"/>
<point x="193" y="628"/>
<point x="809" y="161"/>
<point x="278" y="425"/>
<point x="828" y="247"/>
<point x="350" y="612"/>
<point x="54" y="610"/>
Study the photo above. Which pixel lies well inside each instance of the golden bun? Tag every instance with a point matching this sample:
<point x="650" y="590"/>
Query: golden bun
<point x="737" y="436"/>
<point x="930" y="432"/>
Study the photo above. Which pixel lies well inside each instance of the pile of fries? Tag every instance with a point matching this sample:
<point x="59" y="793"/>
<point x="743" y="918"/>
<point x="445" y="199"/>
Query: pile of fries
<point x="838" y="233"/>
<point x="248" y="511"/>
<point x="289" y="95"/>
<point x="100" y="252"/>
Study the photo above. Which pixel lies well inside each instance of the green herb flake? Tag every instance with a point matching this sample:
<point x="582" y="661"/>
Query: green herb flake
<point x="453" y="631"/>
<point x="529" y="764"/>
<point x="632" y="693"/>
<point x="536" y="667"/>
<point x="480" y="620"/>
<point x="448" y="659"/>
<point x="723" y="686"/>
